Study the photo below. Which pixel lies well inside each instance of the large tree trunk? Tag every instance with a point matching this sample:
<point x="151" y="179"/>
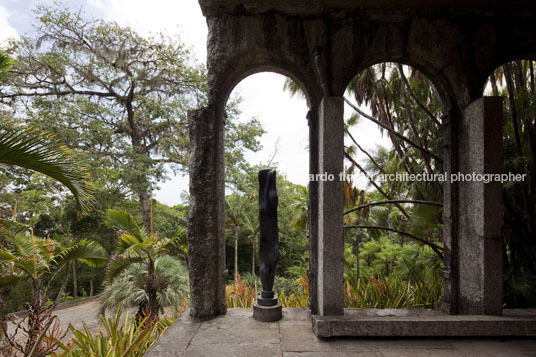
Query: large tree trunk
<point x="145" y="207"/>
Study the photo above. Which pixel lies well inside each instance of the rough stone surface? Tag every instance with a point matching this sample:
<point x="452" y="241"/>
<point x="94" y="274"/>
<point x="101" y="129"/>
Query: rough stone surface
<point x="423" y="323"/>
<point x="455" y="43"/>
<point x="479" y="239"/>
<point x="308" y="7"/>
<point x="238" y="334"/>
<point x="312" y="273"/>
<point x="331" y="200"/>
<point x="206" y="220"/>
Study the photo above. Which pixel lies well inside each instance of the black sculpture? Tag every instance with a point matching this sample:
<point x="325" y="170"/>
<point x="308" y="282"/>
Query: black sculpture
<point x="269" y="240"/>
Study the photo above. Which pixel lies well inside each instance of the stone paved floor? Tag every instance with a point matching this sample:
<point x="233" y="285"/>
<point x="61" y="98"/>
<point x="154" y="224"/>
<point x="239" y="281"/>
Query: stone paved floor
<point x="237" y="334"/>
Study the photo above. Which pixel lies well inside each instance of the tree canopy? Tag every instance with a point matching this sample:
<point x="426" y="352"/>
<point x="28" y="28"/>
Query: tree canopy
<point x="119" y="99"/>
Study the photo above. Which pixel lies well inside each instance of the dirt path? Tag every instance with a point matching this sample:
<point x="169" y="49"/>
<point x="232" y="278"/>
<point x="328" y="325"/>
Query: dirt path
<point x="82" y="312"/>
<point x="86" y="312"/>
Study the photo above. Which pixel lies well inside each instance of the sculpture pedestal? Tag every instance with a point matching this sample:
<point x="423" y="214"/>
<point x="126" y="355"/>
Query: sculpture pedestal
<point x="267" y="313"/>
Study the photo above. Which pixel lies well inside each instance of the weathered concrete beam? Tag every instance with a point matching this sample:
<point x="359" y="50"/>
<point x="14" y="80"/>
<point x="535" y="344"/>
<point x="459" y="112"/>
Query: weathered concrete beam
<point x="310" y="7"/>
<point x="330" y="207"/>
<point x="206" y="220"/>
<point x="480" y="209"/>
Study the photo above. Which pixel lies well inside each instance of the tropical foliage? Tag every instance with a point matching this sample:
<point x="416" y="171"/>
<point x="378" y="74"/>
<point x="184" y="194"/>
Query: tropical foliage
<point x="515" y="81"/>
<point x="119" y="108"/>
<point x="120" y="104"/>
<point x="39" y="260"/>
<point x="129" y="288"/>
<point x="117" y="340"/>
<point x="28" y="147"/>
<point x="138" y="247"/>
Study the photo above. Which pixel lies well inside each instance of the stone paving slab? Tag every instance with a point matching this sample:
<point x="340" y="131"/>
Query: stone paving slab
<point x="237" y="334"/>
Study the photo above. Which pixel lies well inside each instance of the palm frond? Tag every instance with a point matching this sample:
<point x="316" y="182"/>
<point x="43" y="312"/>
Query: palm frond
<point x="123" y="221"/>
<point x="87" y="252"/>
<point x="9" y="228"/>
<point x="10" y="280"/>
<point x="119" y="264"/>
<point x="6" y="256"/>
<point x="5" y="62"/>
<point x="35" y="150"/>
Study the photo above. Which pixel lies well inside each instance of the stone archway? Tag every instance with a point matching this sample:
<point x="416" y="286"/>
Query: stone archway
<point x="322" y="44"/>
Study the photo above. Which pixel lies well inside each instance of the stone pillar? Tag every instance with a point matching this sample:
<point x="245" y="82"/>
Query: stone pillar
<point x="312" y="274"/>
<point x="480" y="209"/>
<point x="330" y="207"/>
<point x="206" y="220"/>
<point x="450" y="123"/>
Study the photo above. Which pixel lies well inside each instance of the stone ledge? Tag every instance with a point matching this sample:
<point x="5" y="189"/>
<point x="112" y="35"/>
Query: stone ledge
<point x="424" y="323"/>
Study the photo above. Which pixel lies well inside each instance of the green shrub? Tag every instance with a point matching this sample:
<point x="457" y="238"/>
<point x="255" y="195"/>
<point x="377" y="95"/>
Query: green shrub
<point x="394" y="293"/>
<point x="126" y="340"/>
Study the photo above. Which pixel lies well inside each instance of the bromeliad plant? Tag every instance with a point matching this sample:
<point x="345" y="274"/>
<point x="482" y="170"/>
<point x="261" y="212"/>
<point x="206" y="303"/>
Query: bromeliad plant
<point x="137" y="246"/>
<point x="39" y="260"/>
<point x="117" y="340"/>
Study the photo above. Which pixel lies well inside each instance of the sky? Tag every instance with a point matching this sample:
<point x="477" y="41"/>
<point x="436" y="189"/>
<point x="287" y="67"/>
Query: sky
<point x="283" y="117"/>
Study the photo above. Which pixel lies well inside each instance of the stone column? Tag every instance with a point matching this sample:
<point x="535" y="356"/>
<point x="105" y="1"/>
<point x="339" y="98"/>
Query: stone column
<point x="450" y="123"/>
<point x="330" y="207"/>
<point x="312" y="120"/>
<point x="206" y="220"/>
<point x="480" y="209"/>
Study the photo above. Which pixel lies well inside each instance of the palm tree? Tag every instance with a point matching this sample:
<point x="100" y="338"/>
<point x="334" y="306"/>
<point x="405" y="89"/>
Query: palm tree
<point x="27" y="147"/>
<point x="301" y="209"/>
<point x="234" y="208"/>
<point x="253" y="227"/>
<point x="129" y="288"/>
<point x="136" y="246"/>
<point x="30" y="258"/>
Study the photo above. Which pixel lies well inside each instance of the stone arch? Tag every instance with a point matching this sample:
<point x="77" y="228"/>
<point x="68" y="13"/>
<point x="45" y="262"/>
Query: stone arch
<point x="228" y="82"/>
<point x="439" y="82"/>
<point x="400" y="38"/>
<point x="455" y="46"/>
<point x="509" y="59"/>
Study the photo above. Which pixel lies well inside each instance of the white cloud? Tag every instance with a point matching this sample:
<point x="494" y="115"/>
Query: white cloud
<point x="283" y="118"/>
<point x="175" y="17"/>
<point x="6" y="30"/>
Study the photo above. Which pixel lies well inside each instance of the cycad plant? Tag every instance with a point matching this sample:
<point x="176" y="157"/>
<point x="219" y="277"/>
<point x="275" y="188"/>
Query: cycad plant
<point x="137" y="246"/>
<point x="129" y="288"/>
<point x="38" y="260"/>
